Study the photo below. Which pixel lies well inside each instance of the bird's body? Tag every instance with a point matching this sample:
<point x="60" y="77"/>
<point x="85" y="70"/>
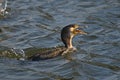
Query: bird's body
<point x="47" y="53"/>
<point x="67" y="33"/>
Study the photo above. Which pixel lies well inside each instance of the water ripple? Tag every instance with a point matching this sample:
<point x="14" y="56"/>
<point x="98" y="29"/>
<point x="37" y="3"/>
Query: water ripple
<point x="33" y="24"/>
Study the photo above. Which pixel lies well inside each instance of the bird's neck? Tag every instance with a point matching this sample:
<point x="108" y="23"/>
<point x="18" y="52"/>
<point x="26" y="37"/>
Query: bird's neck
<point x="69" y="45"/>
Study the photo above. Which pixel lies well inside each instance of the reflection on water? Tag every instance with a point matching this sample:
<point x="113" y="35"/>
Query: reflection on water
<point x="37" y="24"/>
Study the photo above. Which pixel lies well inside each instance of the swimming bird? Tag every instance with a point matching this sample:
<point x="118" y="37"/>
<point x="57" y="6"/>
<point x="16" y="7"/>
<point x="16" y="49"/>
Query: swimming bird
<point x="67" y="34"/>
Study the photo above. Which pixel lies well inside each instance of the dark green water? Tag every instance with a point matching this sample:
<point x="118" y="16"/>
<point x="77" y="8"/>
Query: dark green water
<point x="37" y="23"/>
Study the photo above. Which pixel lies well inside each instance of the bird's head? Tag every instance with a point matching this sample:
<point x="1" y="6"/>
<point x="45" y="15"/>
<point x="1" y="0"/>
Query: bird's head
<point x="74" y="30"/>
<point x="68" y="32"/>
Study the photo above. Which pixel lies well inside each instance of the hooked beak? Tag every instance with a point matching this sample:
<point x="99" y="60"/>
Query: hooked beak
<point x="80" y="31"/>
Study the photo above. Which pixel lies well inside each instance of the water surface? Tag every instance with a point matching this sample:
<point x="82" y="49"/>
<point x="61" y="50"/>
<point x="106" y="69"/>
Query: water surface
<point x="37" y="23"/>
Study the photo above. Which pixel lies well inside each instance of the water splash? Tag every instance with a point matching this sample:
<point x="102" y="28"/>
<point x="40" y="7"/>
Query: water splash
<point x="3" y="7"/>
<point x="86" y="26"/>
<point x="18" y="52"/>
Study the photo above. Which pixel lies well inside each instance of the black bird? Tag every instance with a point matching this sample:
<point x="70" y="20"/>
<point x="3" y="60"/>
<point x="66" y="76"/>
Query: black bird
<point x="67" y="34"/>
